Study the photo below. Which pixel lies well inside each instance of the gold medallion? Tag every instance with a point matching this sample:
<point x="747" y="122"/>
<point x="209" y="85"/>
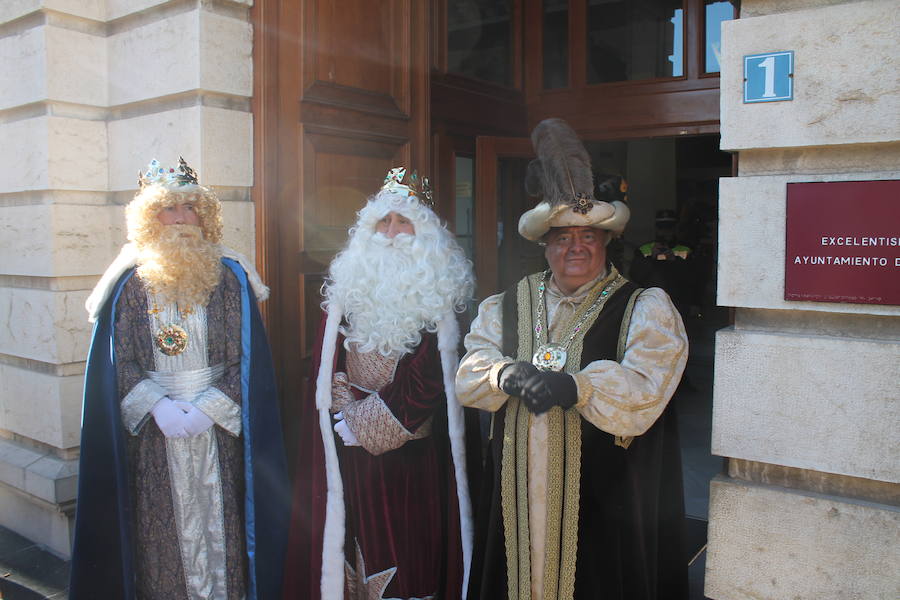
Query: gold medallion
<point x="171" y="340"/>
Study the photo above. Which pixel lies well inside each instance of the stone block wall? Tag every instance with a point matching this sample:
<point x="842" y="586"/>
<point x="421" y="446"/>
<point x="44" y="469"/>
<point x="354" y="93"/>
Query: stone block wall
<point x="90" y="91"/>
<point x="806" y="395"/>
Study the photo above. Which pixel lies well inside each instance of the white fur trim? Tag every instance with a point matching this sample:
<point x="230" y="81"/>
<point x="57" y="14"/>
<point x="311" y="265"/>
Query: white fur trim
<point x="259" y="288"/>
<point x="332" y="583"/>
<point x="448" y="339"/>
<point x="126" y="259"/>
<point x="612" y="216"/>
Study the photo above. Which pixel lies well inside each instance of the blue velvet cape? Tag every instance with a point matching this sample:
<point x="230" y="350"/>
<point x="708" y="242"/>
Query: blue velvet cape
<point x="102" y="556"/>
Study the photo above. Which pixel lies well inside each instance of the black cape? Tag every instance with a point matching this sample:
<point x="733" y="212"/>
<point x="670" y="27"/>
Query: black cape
<point x="102" y="556"/>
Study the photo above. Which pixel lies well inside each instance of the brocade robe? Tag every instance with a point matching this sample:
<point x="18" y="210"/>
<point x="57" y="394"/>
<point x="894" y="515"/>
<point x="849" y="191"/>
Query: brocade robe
<point x="563" y="537"/>
<point x="128" y="541"/>
<point x="187" y="492"/>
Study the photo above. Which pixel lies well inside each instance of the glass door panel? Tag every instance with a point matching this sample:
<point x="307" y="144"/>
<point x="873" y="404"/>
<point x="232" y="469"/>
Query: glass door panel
<point x="630" y="40"/>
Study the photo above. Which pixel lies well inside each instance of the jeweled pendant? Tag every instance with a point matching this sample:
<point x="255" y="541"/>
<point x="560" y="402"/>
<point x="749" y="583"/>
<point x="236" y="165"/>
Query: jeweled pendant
<point x="550" y="357"/>
<point x="171" y="340"/>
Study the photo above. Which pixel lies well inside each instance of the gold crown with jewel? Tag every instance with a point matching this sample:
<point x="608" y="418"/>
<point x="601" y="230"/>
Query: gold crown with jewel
<point x="167" y="177"/>
<point x="415" y="186"/>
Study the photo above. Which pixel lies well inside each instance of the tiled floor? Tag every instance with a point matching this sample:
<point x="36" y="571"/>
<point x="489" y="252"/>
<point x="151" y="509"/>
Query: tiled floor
<point x="27" y="572"/>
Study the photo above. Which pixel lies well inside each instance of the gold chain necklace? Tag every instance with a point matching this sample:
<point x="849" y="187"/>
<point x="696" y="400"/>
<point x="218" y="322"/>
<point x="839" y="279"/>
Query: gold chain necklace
<point x="552" y="356"/>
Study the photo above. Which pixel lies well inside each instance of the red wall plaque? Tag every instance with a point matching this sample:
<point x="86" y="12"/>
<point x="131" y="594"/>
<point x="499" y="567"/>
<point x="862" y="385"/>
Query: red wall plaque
<point x="842" y="242"/>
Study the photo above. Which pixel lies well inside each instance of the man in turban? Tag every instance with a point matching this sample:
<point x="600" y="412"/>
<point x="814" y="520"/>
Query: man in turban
<point x="582" y="496"/>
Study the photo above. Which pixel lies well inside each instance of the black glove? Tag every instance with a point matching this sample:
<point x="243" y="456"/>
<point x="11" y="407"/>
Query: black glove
<point x="547" y="389"/>
<point x="513" y="376"/>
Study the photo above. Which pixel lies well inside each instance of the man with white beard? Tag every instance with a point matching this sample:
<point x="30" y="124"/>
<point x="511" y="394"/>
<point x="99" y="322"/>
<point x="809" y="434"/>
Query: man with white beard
<point x="381" y="506"/>
<point x="182" y="479"/>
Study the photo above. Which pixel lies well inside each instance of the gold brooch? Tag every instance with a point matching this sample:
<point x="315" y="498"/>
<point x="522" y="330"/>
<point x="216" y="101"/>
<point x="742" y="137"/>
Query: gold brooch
<point x="171" y="340"/>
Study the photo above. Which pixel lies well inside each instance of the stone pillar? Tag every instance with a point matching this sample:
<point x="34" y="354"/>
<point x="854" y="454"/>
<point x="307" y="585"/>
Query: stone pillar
<point x="90" y="91"/>
<point x="806" y="394"/>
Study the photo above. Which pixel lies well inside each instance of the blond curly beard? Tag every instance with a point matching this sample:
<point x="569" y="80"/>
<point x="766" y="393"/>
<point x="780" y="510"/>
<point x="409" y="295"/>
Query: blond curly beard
<point x="178" y="264"/>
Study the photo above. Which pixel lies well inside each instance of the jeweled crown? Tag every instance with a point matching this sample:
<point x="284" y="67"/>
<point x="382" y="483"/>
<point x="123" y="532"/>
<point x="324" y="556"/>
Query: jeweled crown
<point x="415" y="186"/>
<point x="158" y="174"/>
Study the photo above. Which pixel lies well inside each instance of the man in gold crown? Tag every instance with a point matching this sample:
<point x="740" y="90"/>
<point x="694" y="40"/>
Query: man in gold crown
<point x="381" y="505"/>
<point x="182" y="482"/>
<point x="582" y="496"/>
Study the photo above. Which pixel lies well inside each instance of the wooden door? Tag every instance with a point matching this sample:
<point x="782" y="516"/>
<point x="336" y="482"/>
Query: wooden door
<point x="502" y="256"/>
<point x="342" y="95"/>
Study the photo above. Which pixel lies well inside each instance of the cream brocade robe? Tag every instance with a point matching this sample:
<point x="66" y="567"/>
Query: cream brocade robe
<point x="621" y="399"/>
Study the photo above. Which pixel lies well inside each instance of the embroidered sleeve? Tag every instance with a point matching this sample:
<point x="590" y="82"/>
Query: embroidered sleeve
<point x="137" y="403"/>
<point x="476" y="380"/>
<point x="221" y="409"/>
<point x="376" y="427"/>
<point x="626" y="399"/>
<point x="341" y="395"/>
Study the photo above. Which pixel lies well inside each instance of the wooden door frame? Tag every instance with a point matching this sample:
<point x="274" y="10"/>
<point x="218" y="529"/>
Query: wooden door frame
<point x="488" y="150"/>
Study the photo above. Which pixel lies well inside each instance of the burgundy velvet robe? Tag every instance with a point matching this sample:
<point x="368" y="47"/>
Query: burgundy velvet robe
<point x="401" y="506"/>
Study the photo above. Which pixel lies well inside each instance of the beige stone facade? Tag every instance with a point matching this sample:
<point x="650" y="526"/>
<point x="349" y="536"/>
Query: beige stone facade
<point x="90" y="91"/>
<point x="806" y="400"/>
<point x="806" y="396"/>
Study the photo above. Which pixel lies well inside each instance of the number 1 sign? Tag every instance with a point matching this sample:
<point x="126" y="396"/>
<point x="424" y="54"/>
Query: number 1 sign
<point x="769" y="77"/>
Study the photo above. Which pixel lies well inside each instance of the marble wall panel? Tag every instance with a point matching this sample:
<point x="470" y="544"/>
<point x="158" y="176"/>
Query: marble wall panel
<point x="42" y="407"/>
<point x="823" y="403"/>
<point x="59" y="240"/>
<point x="23" y="67"/>
<point x="845" y="77"/>
<point x="769" y="543"/>
<point x="48" y="326"/>
<point x="156" y="59"/>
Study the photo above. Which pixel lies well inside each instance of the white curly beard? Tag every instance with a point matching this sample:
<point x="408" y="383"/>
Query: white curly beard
<point x="392" y="289"/>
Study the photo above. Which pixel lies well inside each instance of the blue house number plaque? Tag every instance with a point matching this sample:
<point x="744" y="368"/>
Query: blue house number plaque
<point x="769" y="77"/>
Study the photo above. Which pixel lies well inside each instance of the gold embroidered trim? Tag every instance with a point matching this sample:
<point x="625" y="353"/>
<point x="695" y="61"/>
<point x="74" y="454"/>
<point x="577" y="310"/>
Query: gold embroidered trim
<point x="556" y="461"/>
<point x="611" y="283"/>
<point x="508" y="498"/>
<point x="585" y="389"/>
<point x="564" y="458"/>
<point x="523" y="422"/>
<point x="625" y="441"/>
<point x="514" y="468"/>
<point x="626" y="324"/>
<point x="569" y="542"/>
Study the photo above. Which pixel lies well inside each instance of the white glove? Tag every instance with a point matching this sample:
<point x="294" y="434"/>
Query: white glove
<point x="169" y="418"/>
<point x="343" y="430"/>
<point x="195" y="420"/>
